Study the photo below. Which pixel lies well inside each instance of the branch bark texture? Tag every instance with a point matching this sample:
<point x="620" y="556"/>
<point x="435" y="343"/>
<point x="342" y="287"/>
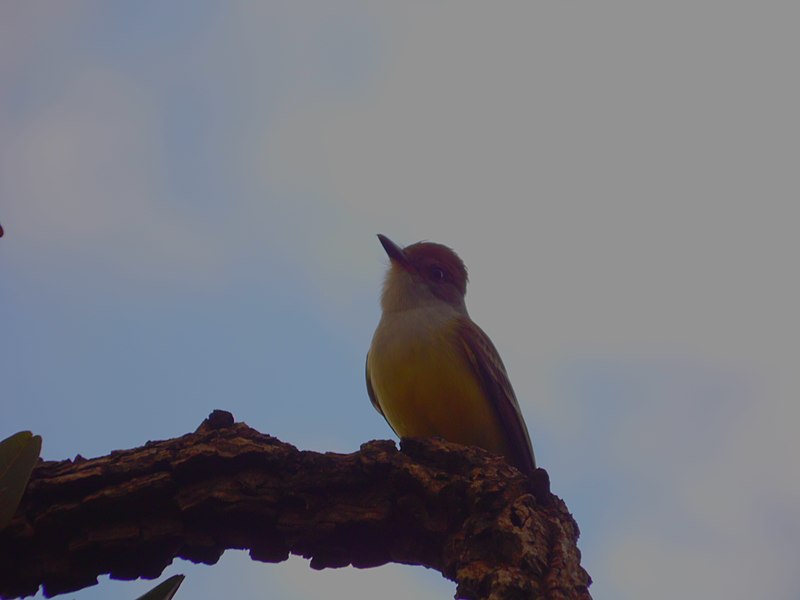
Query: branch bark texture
<point x="458" y="510"/>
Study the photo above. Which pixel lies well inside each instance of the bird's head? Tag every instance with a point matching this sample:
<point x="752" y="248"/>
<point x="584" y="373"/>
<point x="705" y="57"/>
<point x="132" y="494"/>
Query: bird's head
<point x="422" y="274"/>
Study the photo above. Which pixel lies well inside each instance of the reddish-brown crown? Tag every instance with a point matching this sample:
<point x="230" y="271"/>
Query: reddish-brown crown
<point x="427" y="255"/>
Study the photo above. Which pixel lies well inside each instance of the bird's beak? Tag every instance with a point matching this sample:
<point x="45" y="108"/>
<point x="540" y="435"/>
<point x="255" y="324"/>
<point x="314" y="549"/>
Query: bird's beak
<point x="394" y="251"/>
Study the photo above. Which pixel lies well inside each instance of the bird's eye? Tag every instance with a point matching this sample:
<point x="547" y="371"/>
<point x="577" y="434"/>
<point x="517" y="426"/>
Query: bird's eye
<point x="437" y="274"/>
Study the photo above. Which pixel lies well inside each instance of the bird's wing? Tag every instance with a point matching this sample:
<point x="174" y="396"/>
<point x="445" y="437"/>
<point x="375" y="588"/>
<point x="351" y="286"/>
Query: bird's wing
<point x="491" y="372"/>
<point x="370" y="391"/>
<point x="372" y="397"/>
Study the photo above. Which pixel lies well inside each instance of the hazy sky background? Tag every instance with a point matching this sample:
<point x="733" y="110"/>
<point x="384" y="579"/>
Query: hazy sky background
<point x="191" y="192"/>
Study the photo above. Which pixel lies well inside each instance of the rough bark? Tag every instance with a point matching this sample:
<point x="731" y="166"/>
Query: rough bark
<point x="458" y="510"/>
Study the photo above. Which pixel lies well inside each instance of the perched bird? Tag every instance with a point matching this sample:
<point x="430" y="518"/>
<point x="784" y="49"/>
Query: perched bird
<point x="430" y="369"/>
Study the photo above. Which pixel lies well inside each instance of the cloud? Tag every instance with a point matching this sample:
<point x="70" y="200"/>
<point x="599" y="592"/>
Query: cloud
<point x="152" y="152"/>
<point x="86" y="173"/>
<point x="694" y="479"/>
<point x="539" y="144"/>
<point x="28" y="29"/>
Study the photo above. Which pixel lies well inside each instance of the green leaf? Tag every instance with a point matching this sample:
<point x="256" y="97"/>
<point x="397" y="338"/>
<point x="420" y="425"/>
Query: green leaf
<point x="18" y="455"/>
<point x="164" y="590"/>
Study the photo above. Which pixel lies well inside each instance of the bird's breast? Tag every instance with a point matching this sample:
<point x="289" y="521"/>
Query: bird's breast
<point x="425" y="385"/>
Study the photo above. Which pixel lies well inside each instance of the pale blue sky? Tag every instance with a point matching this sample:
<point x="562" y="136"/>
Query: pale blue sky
<point x="191" y="192"/>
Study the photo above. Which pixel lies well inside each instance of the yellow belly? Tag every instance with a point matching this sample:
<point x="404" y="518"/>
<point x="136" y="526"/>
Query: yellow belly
<point x="425" y="386"/>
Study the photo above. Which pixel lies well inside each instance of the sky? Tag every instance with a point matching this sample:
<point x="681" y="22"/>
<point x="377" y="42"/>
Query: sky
<point x="190" y="193"/>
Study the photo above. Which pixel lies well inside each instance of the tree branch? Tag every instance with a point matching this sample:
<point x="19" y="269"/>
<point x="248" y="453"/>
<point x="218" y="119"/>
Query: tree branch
<point x="458" y="510"/>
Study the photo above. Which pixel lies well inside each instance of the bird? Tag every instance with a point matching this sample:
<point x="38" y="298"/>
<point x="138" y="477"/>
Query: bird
<point x="430" y="370"/>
